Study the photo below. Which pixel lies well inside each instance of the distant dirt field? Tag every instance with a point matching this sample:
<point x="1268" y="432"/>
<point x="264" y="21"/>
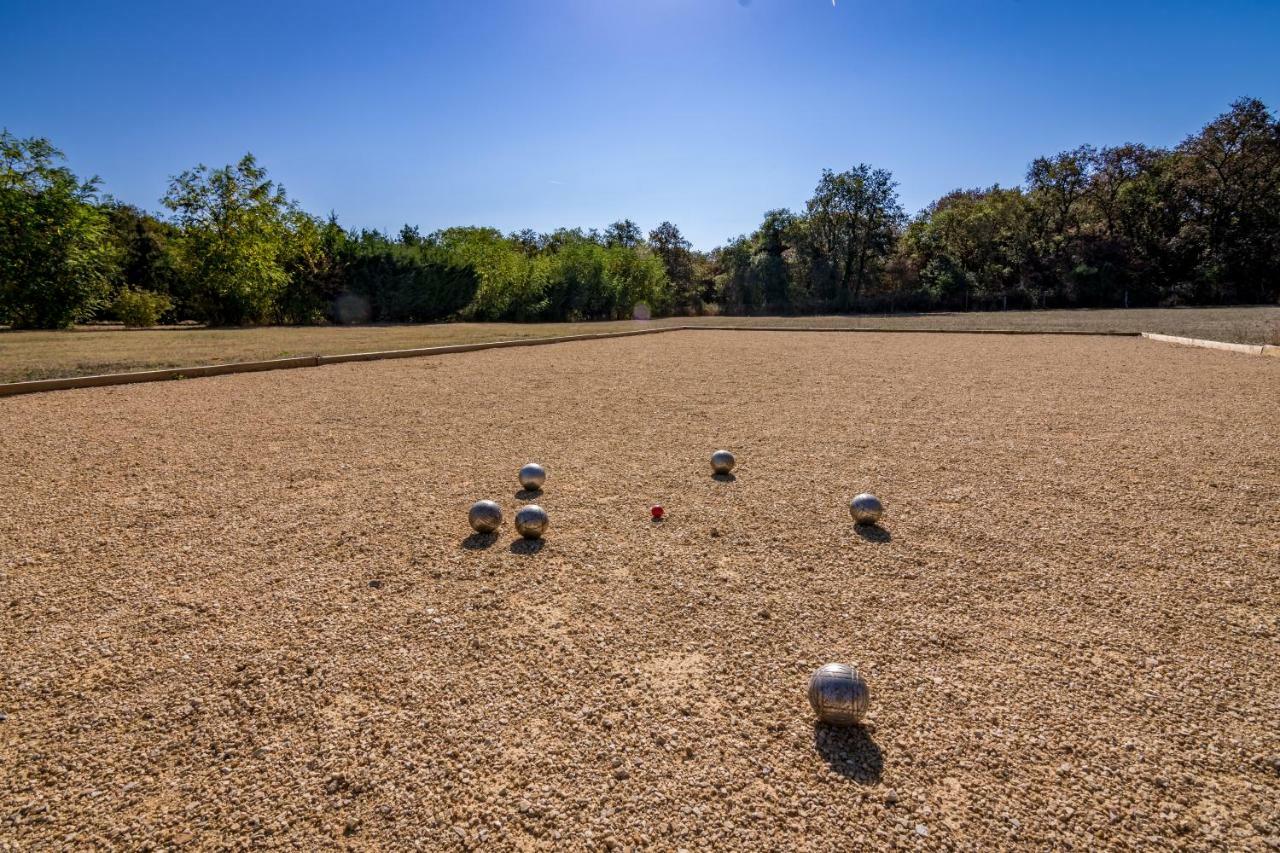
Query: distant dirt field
<point x="246" y="611"/>
<point x="91" y="350"/>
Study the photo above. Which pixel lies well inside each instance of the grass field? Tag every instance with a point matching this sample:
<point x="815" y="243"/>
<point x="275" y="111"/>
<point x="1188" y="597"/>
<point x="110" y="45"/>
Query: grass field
<point x="92" y="350"/>
<point x="247" y="610"/>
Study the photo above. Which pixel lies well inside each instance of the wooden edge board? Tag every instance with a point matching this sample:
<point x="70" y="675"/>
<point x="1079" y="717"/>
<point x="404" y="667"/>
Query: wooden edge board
<point x="1246" y="349"/>
<point x="107" y="379"/>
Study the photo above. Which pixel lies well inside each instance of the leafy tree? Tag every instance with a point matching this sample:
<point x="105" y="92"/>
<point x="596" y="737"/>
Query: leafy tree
<point x="1143" y="226"/>
<point x="1056" y="188"/>
<point x="573" y="275"/>
<point x="635" y="277"/>
<point x="770" y="262"/>
<point x="1111" y="242"/>
<point x="56" y="261"/>
<point x="1057" y="184"/>
<point x="624" y="233"/>
<point x="528" y="241"/>
<point x="315" y="264"/>
<point x="142" y="245"/>
<point x="1228" y="178"/>
<point x="410" y="236"/>
<point x="738" y="290"/>
<point x="676" y="254"/>
<point x="507" y="289"/>
<point x="561" y="237"/>
<point x="235" y="229"/>
<point x="971" y="245"/>
<point x="853" y="221"/>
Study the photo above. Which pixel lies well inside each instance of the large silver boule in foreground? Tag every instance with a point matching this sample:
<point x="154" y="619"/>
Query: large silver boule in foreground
<point x="866" y="508"/>
<point x="532" y="476"/>
<point x="722" y="462"/>
<point x="838" y="694"/>
<point x="485" y="516"/>
<point x="531" y="521"/>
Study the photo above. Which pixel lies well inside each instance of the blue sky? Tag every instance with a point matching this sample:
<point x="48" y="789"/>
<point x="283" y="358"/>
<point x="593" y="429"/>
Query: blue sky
<point x="546" y="113"/>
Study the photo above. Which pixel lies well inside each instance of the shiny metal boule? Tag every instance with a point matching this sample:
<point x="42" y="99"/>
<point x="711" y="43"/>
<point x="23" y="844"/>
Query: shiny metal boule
<point x="531" y="521"/>
<point x="532" y="476"/>
<point x="866" y="508"/>
<point x="838" y="694"/>
<point x="722" y="462"/>
<point x="485" y="516"/>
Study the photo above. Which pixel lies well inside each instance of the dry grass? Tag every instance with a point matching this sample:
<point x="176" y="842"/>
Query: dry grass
<point x="1253" y="331"/>
<point x="247" y="611"/>
<point x="92" y="350"/>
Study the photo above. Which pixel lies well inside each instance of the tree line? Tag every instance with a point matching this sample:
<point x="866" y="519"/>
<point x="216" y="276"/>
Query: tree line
<point x="1129" y="225"/>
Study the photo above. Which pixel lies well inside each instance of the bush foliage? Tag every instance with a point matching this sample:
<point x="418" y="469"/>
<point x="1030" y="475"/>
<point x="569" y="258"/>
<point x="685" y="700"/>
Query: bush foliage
<point x="140" y="309"/>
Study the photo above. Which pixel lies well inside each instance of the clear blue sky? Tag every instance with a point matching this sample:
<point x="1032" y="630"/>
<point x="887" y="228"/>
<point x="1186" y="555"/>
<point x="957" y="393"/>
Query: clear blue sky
<point x="545" y="113"/>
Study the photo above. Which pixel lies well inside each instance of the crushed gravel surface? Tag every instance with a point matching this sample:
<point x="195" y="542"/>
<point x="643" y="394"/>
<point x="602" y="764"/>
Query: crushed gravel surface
<point x="248" y="610"/>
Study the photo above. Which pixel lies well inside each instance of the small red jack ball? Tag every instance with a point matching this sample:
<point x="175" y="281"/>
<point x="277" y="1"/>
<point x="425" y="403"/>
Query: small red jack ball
<point x="658" y="512"/>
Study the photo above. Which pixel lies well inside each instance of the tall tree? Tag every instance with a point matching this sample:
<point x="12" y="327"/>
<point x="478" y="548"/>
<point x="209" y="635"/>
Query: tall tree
<point x="737" y="289"/>
<point x="1056" y="187"/>
<point x="142" y="244"/>
<point x="623" y="233"/>
<point x="409" y="235"/>
<point x="769" y="263"/>
<point x="853" y="221"/>
<point x="529" y="241"/>
<point x="971" y="245"/>
<point x="233" y="240"/>
<point x="315" y="261"/>
<point x="676" y="254"/>
<point x="56" y="260"/>
<point x="1229" y="176"/>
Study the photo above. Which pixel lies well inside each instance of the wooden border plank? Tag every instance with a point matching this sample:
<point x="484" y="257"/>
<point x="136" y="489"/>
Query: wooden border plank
<point x="105" y="379"/>
<point x="447" y="349"/>
<point x="893" y="331"/>
<point x="1246" y="349"/>
<point x="108" y="379"/>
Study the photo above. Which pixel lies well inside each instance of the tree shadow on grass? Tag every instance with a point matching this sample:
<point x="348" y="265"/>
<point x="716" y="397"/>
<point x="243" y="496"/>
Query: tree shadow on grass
<point x="849" y="751"/>
<point x="479" y="541"/>
<point x="527" y="547"/>
<point x="873" y="533"/>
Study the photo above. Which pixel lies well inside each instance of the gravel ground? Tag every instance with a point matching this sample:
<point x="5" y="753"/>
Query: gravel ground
<point x="246" y="610"/>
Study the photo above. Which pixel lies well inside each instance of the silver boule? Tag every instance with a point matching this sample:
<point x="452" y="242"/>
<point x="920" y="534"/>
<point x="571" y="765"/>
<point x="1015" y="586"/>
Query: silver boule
<point x="532" y="476"/>
<point x="866" y="508"/>
<point x="531" y="521"/>
<point x="838" y="694"/>
<point x="485" y="516"/>
<point x="722" y="462"/>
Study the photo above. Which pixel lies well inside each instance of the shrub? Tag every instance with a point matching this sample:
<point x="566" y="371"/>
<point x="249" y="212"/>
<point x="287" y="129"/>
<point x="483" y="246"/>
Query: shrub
<point x="139" y="309"/>
<point x="399" y="284"/>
